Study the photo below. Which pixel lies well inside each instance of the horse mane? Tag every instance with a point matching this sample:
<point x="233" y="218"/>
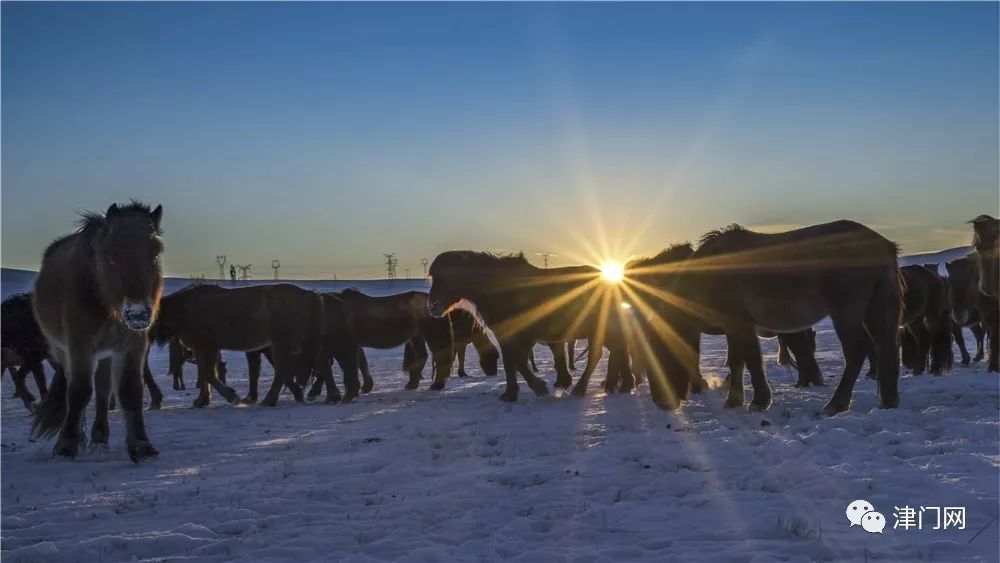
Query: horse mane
<point x="92" y="221"/>
<point x="983" y="219"/>
<point x="734" y="229"/>
<point x="463" y="258"/>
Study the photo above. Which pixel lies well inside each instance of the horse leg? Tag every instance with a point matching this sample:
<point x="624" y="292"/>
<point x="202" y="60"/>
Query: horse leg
<point x="594" y="354"/>
<point x="698" y="384"/>
<point x="102" y="387"/>
<point x="799" y="346"/>
<point x="155" y="395"/>
<point x="571" y="354"/>
<point x="992" y="329"/>
<point x="253" y="366"/>
<point x="207" y="364"/>
<point x="942" y="355"/>
<point x="560" y="358"/>
<point x="81" y="370"/>
<point x="126" y="370"/>
<point x="852" y="335"/>
<point x="956" y="332"/>
<point x="460" y="355"/>
<point x="513" y="356"/>
<point x="534" y="382"/>
<point x="177" y="360"/>
<point x="21" y="388"/>
<point x="39" y="374"/>
<point x="531" y="359"/>
<point x="439" y="337"/>
<point x="414" y="360"/>
<point x="977" y="332"/>
<point x="618" y="361"/>
<point x="366" y="374"/>
<point x="922" y="337"/>
<point x="736" y="365"/>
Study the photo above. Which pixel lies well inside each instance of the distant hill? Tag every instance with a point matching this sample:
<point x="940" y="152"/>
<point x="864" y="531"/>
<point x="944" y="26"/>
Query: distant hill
<point x="939" y="257"/>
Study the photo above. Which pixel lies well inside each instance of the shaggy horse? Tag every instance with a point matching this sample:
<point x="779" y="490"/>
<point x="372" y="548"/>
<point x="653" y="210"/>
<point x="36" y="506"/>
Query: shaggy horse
<point x="24" y="347"/>
<point x="796" y="349"/>
<point x="742" y="281"/>
<point x="986" y="239"/>
<point x="968" y="304"/>
<point x="523" y="304"/>
<point x="96" y="295"/>
<point x="207" y="319"/>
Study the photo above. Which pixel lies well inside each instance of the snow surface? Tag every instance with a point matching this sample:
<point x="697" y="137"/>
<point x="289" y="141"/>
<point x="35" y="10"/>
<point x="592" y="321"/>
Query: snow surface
<point x="456" y="475"/>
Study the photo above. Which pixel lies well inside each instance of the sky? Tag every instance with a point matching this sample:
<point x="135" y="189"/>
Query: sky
<point x="325" y="135"/>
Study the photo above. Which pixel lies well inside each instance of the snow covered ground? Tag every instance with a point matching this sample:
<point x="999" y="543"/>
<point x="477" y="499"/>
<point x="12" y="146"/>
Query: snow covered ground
<point x="458" y="476"/>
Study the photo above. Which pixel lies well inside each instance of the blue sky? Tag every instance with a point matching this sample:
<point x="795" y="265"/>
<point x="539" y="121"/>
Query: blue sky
<point x="327" y="134"/>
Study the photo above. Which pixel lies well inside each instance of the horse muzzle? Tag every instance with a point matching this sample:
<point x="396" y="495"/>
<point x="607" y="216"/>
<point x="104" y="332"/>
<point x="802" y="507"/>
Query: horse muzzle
<point x="137" y="315"/>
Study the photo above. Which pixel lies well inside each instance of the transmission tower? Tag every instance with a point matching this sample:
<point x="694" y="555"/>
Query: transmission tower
<point x="390" y="265"/>
<point x="275" y="264"/>
<point x="407" y="273"/>
<point x="545" y="257"/>
<point x="221" y="261"/>
<point x="424" y="262"/>
<point x="245" y="271"/>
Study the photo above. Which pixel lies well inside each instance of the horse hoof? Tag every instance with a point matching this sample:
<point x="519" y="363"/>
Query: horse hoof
<point x="141" y="449"/>
<point x="833" y="409"/>
<point x="156" y="405"/>
<point x="368" y="386"/>
<point x="888" y="403"/>
<point x="67" y="447"/>
<point x="578" y="391"/>
<point x="333" y="400"/>
<point x="758" y="407"/>
<point x="248" y="400"/>
<point x="666" y="404"/>
<point x="437" y="386"/>
<point x="732" y="403"/>
<point x="698" y="386"/>
<point x="269" y="402"/>
<point x="463" y="374"/>
<point x="349" y="398"/>
<point x="200" y="402"/>
<point x="508" y="397"/>
<point x="410" y="386"/>
<point x="541" y="389"/>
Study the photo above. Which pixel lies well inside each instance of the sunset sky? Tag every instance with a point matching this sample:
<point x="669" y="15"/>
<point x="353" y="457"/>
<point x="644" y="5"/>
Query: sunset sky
<point x="326" y="134"/>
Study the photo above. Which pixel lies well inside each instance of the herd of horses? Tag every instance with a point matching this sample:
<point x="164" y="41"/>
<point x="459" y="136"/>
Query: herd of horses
<point x="97" y="306"/>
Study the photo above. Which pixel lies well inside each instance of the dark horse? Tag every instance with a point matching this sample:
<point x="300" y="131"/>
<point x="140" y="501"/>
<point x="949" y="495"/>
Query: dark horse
<point x="651" y="337"/>
<point x="24" y="346"/>
<point x="986" y="240"/>
<point x="96" y="295"/>
<point x="925" y="323"/>
<point x="742" y="281"/>
<point x="467" y="330"/>
<point x="523" y="305"/>
<point x="968" y="304"/>
<point x="394" y="320"/>
<point x="207" y="319"/>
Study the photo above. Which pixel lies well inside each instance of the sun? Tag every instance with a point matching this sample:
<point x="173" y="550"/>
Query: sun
<point x="612" y="271"/>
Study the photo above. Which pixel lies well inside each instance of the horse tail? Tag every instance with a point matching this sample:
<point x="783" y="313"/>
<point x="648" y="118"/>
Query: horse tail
<point x="50" y="413"/>
<point x="883" y="316"/>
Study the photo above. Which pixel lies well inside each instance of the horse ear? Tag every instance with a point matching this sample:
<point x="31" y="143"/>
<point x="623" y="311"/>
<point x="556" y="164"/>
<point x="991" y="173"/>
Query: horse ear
<point x="156" y="216"/>
<point x="112" y="211"/>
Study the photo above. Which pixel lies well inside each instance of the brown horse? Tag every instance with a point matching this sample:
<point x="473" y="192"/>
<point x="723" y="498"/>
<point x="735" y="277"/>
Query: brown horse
<point x="24" y="346"/>
<point x="926" y="321"/>
<point x="401" y="319"/>
<point x="986" y="239"/>
<point x="467" y="330"/>
<point x="523" y="304"/>
<point x="796" y="349"/>
<point x="96" y="295"/>
<point x="207" y="319"/>
<point x="968" y="304"/>
<point x="742" y="282"/>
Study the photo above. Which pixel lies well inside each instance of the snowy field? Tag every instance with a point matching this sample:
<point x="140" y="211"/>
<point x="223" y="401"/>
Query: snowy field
<point x="458" y="476"/>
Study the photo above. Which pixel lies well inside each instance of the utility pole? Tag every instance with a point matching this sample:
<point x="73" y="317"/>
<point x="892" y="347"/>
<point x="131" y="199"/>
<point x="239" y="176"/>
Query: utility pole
<point x="245" y="275"/>
<point x="275" y="264"/>
<point x="407" y="273"/>
<point x="425" y="262"/>
<point x="545" y="257"/>
<point x="221" y="261"/>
